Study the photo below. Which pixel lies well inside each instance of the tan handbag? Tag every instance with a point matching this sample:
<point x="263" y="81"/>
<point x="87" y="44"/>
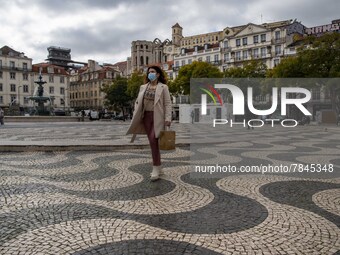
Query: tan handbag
<point x="167" y="140"/>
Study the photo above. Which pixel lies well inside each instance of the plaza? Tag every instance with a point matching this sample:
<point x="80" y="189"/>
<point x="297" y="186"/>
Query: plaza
<point x="83" y="188"/>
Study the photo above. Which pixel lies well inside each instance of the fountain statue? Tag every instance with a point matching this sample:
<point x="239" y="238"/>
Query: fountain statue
<point x="40" y="98"/>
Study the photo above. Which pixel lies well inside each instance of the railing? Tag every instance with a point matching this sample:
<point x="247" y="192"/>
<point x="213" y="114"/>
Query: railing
<point x="278" y="40"/>
<point x="11" y="68"/>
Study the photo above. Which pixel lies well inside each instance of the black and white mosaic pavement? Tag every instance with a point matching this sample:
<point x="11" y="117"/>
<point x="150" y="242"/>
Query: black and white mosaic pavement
<point x="87" y="202"/>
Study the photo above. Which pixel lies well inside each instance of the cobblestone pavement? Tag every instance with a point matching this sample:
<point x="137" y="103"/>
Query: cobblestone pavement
<point x="92" y="202"/>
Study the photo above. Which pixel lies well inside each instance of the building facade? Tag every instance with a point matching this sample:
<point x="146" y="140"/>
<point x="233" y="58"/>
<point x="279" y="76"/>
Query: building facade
<point x="15" y="78"/>
<point x="57" y="84"/>
<point x="86" y="84"/>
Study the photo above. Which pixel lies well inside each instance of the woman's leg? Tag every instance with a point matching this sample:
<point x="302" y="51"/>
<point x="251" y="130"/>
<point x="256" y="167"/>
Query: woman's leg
<point x="153" y="141"/>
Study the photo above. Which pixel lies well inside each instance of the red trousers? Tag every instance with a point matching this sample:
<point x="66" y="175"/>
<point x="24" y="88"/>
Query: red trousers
<point x="153" y="141"/>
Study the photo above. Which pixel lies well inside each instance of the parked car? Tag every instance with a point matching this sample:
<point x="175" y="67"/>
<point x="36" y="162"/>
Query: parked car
<point x="119" y="117"/>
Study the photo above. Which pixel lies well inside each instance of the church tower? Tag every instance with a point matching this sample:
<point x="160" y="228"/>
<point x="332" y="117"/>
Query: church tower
<point x="177" y="34"/>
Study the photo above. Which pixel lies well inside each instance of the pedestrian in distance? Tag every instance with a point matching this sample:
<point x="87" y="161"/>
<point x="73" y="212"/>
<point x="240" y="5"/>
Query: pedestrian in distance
<point x="2" y="116"/>
<point x="152" y="114"/>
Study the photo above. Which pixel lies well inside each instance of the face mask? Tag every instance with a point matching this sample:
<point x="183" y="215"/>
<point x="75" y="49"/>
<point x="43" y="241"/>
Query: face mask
<point x="152" y="76"/>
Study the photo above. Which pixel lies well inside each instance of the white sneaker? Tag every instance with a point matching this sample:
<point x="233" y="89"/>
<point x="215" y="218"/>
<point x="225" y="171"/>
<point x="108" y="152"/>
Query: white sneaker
<point x="155" y="173"/>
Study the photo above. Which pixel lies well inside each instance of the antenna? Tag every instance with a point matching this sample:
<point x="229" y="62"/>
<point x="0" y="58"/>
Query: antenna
<point x="261" y="18"/>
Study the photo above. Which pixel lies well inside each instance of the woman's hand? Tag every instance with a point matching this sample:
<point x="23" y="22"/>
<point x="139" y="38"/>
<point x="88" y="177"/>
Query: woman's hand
<point x="167" y="123"/>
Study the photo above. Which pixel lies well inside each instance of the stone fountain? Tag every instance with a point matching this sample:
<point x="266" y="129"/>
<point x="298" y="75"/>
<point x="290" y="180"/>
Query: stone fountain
<point x="40" y="98"/>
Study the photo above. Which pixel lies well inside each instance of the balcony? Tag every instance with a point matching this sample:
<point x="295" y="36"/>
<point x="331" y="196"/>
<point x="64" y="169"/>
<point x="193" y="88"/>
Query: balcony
<point x="278" y="40"/>
<point x="227" y="49"/>
<point x="11" y="68"/>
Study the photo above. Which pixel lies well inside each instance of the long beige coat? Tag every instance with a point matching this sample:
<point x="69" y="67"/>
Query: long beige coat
<point x="161" y="113"/>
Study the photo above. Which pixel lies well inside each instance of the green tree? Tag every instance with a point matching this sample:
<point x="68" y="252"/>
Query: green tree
<point x="181" y="85"/>
<point x="116" y="94"/>
<point x="252" y="69"/>
<point x="318" y="58"/>
<point x="134" y="83"/>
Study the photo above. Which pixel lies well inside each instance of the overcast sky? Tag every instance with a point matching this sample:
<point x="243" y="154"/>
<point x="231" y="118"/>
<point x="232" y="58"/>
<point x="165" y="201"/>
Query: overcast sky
<point x="104" y="29"/>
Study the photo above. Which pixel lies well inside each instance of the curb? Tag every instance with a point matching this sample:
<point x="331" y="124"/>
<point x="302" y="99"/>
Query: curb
<point x="32" y="148"/>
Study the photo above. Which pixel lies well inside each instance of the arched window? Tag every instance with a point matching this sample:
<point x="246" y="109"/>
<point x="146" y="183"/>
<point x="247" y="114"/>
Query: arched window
<point x="141" y="60"/>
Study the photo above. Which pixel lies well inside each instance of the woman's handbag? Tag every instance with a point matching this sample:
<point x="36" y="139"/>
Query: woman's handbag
<point x="167" y="140"/>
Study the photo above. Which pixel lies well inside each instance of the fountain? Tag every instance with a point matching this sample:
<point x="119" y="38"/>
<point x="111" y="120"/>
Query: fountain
<point x="40" y="98"/>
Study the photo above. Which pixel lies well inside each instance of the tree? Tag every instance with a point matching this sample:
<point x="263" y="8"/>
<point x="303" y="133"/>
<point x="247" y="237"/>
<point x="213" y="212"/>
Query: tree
<point x="318" y="58"/>
<point x="116" y="94"/>
<point x="134" y="83"/>
<point x="252" y="69"/>
<point x="181" y="85"/>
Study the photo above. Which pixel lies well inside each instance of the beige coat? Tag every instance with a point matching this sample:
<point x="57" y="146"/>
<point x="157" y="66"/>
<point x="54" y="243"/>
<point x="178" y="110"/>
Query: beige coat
<point x="161" y="113"/>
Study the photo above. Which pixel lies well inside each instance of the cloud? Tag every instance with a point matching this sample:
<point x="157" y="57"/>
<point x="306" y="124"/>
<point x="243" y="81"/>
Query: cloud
<point x="104" y="29"/>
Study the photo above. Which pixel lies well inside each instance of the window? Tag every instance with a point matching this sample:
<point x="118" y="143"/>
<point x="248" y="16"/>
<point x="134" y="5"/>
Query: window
<point x="12" y="64"/>
<point x="277" y="49"/>
<point x="256" y="38"/>
<point x="25" y="76"/>
<point x="183" y="62"/>
<point x="238" y="55"/>
<point x="225" y="44"/>
<point x="245" y="54"/>
<point x="277" y="35"/>
<point x="256" y="53"/>
<point x="189" y="61"/>
<point x="51" y="90"/>
<point x="0" y="75"/>
<point x="62" y="91"/>
<point x="238" y="42"/>
<point x="24" y="66"/>
<point x="26" y="100"/>
<point x="51" y="78"/>
<point x="207" y="59"/>
<point x="12" y="87"/>
<point x="226" y="57"/>
<point x="12" y="75"/>
<point x="25" y="88"/>
<point x="263" y="52"/>
<point x="216" y="58"/>
<point x="13" y="98"/>
<point x="1" y="100"/>
<point x="1" y="89"/>
<point x="62" y="79"/>
<point x="62" y="102"/>
<point x="0" y="63"/>
<point x="50" y="69"/>
<point x="177" y="64"/>
<point x="263" y="37"/>
<point x="244" y="41"/>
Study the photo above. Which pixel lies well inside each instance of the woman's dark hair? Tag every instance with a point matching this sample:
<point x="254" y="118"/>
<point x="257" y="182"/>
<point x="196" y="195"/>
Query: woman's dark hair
<point x="161" y="77"/>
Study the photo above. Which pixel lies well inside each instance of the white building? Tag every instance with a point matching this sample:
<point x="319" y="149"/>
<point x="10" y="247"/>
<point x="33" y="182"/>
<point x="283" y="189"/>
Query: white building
<point x="15" y="78"/>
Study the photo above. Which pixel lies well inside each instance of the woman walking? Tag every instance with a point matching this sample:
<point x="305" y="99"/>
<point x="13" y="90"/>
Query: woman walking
<point x="152" y="113"/>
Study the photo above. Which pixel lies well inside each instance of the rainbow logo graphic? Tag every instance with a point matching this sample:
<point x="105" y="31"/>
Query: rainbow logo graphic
<point x="211" y="92"/>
